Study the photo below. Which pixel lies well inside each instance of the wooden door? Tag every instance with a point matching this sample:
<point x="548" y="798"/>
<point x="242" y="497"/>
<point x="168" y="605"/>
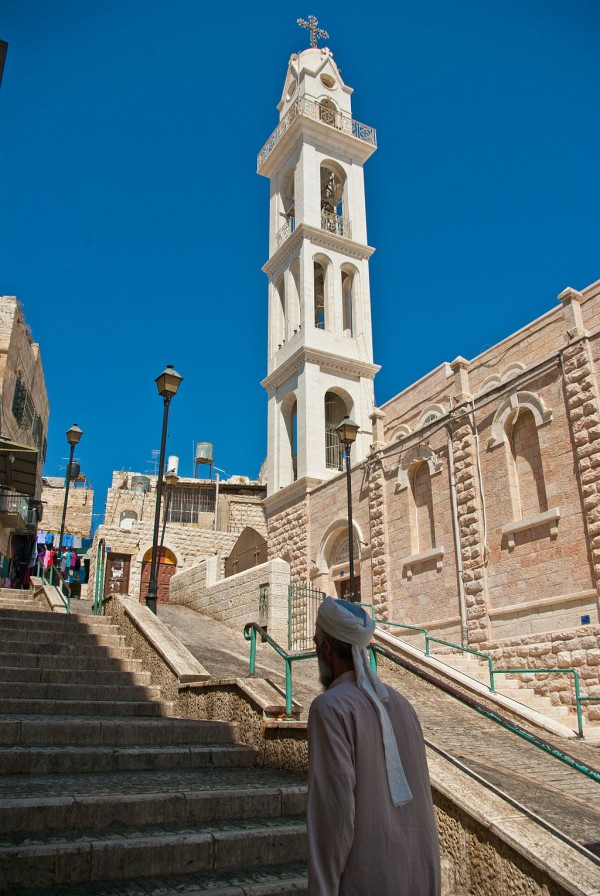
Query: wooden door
<point x="116" y="577"/>
<point x="166" y="568"/>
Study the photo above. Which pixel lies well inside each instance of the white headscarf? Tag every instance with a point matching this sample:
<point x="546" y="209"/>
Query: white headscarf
<point x="349" y="623"/>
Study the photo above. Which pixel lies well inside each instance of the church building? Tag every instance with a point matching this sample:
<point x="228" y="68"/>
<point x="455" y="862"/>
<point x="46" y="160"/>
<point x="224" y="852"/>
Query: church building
<point x="476" y="491"/>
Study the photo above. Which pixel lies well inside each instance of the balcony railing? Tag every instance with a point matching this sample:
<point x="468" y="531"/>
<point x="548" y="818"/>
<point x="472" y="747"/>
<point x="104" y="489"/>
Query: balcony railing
<point x="310" y="108"/>
<point x="14" y="505"/>
<point x="336" y="224"/>
<point x="284" y="231"/>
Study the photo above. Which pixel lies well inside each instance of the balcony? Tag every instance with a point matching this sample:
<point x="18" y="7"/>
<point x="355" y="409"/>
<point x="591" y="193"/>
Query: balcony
<point x="16" y="511"/>
<point x="306" y="107"/>
<point x="336" y="224"/>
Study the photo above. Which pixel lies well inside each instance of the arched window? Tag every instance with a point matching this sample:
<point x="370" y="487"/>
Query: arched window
<point x="289" y="411"/>
<point x="328" y="112"/>
<point x="335" y="411"/>
<point x="333" y="215"/>
<point x="279" y="315"/>
<point x="128" y="518"/>
<point x="424" y="525"/>
<point x="348" y="278"/>
<point x="527" y="475"/>
<point x="319" y="292"/>
<point x="293" y="310"/>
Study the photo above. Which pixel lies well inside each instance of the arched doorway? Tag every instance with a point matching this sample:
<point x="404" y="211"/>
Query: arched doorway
<point x="167" y="566"/>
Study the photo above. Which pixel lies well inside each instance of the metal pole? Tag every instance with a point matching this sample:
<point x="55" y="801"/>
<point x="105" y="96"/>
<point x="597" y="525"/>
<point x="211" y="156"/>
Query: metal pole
<point x="351" y="594"/>
<point x="64" y="513"/>
<point x="165" y="515"/>
<point x="152" y="594"/>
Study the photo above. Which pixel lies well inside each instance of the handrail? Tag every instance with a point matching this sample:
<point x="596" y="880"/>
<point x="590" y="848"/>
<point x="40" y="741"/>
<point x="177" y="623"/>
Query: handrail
<point x="47" y="574"/>
<point x="250" y="631"/>
<point x="99" y="577"/>
<point x="575" y="673"/>
<point x="493" y="672"/>
<point x="571" y="761"/>
<point x="484" y="656"/>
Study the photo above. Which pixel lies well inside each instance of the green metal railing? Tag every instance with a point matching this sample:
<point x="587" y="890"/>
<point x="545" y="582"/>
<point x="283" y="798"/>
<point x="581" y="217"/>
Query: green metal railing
<point x="52" y="575"/>
<point x="573" y="672"/>
<point x="493" y="672"/>
<point x="571" y="761"/>
<point x="251" y="629"/>
<point x="99" y="577"/>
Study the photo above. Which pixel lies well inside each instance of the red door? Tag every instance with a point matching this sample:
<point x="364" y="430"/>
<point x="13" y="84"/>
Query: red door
<point x="166" y="568"/>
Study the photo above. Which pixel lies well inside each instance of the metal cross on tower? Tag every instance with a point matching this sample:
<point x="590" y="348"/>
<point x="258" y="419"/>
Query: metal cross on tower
<point x="314" y="31"/>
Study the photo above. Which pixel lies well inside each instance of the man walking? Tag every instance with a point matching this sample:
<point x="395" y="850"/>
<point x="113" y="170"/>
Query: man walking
<point x="371" y="826"/>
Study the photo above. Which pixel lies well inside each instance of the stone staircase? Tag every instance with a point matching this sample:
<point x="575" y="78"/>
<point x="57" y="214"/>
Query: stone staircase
<point x="515" y="687"/>
<point x="102" y="790"/>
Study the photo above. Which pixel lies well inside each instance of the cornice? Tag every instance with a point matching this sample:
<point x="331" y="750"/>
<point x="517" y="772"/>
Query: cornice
<point x="322" y="238"/>
<point x="325" y="360"/>
<point x="290" y="495"/>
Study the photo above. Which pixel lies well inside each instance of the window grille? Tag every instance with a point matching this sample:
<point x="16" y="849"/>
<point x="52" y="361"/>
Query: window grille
<point x="18" y="404"/>
<point x="187" y="503"/>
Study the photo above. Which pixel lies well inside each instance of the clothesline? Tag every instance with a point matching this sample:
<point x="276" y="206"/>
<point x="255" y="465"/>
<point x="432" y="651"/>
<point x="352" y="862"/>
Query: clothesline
<point x="53" y="539"/>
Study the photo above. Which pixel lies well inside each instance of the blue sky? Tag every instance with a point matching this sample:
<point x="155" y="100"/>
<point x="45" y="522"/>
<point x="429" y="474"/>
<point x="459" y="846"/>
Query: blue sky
<point x="133" y="226"/>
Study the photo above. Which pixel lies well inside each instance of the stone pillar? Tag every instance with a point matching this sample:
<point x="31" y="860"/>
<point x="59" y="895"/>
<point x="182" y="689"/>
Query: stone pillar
<point x="380" y="564"/>
<point x="470" y="527"/>
<point x="377" y="418"/>
<point x="581" y="396"/>
<point x="460" y="368"/>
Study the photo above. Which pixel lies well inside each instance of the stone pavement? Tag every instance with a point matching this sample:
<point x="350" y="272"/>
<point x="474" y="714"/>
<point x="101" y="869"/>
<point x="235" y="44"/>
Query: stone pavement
<point x="562" y="796"/>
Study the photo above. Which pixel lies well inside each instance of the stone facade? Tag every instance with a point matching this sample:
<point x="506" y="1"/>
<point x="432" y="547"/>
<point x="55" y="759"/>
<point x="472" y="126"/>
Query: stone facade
<point x="80" y="507"/>
<point x="193" y="531"/>
<point x="477" y="512"/>
<point x="24" y="414"/>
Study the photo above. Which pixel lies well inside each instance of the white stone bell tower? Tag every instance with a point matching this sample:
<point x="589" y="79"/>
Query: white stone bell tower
<point x="320" y="354"/>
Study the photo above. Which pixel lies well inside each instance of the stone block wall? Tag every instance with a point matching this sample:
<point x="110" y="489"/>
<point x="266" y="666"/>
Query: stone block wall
<point x="79" y="510"/>
<point x="576" y="648"/>
<point x="235" y="600"/>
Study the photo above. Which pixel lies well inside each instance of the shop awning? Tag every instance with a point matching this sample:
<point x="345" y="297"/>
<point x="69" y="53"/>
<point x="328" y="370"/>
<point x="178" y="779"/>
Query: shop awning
<point x="18" y="467"/>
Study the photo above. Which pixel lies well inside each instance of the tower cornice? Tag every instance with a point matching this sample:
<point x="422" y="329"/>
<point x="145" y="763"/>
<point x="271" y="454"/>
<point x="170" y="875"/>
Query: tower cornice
<point x="327" y="361"/>
<point x="324" y="239"/>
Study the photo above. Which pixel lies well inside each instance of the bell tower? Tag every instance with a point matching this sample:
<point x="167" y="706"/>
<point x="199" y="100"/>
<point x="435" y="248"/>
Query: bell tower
<point x="320" y="354"/>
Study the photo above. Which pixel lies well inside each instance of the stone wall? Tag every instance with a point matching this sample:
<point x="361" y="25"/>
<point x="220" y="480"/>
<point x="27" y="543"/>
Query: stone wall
<point x="187" y="544"/>
<point x="80" y="508"/>
<point x="288" y="539"/>
<point x="235" y="600"/>
<point x="576" y="648"/>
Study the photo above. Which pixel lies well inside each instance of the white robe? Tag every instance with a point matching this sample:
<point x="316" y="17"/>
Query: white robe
<point x="359" y="844"/>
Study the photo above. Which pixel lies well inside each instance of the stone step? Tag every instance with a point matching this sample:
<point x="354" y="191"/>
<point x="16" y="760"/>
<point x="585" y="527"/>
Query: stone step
<point x="94" y="676"/>
<point x="15" y="639"/>
<point x="31" y="618"/>
<point x="16" y="605"/>
<point x="66" y="648"/>
<point x="75" y="691"/>
<point x="77" y="858"/>
<point x="98" y="802"/>
<point x="85" y="707"/>
<point x="62" y="760"/>
<point x="41" y="731"/>
<point x="272" y="880"/>
<point x="67" y="661"/>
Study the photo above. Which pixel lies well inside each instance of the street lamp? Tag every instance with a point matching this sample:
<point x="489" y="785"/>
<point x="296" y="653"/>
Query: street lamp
<point x="73" y="436"/>
<point x="347" y="432"/>
<point x="167" y="384"/>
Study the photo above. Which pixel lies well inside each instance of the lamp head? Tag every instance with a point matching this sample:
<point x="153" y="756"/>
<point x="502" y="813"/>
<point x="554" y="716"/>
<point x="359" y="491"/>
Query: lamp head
<point x="168" y="382"/>
<point x="347" y="431"/>
<point x="73" y="435"/>
<point x="171" y="478"/>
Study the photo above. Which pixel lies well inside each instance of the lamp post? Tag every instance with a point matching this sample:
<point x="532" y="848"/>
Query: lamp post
<point x="171" y="480"/>
<point x="347" y="432"/>
<point x="167" y="384"/>
<point x="73" y="436"/>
